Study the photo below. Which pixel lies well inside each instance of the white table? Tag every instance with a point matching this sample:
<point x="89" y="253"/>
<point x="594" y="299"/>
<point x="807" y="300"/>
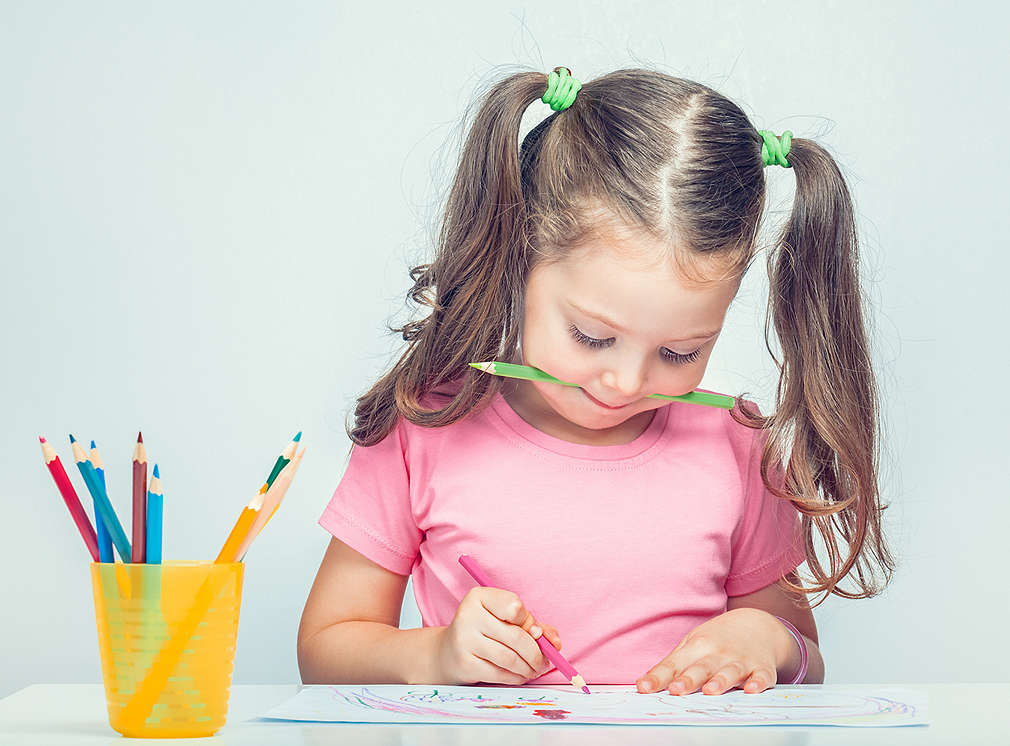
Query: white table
<point x="55" y="714"/>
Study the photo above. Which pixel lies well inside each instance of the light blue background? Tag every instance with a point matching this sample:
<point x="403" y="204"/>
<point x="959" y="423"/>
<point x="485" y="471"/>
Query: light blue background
<point x="208" y="210"/>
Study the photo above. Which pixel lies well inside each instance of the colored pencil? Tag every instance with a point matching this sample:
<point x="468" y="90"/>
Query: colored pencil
<point x="283" y="460"/>
<point x="529" y="373"/>
<point x="103" y="508"/>
<point x="104" y="540"/>
<point x="271" y="501"/>
<point x="229" y="552"/>
<point x="69" y="495"/>
<point x="550" y="652"/>
<point x="155" y="508"/>
<point x="139" y="499"/>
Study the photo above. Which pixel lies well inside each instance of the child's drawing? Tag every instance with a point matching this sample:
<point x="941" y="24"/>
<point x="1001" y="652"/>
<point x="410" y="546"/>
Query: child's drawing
<point x="798" y="705"/>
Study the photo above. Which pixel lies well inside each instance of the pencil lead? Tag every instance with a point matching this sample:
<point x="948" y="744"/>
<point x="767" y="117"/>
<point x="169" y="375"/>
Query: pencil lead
<point x="298" y="437"/>
<point x="140" y="438"/>
<point x="93" y="444"/>
<point x="41" y="439"/>
<point x="72" y="438"/>
<point x="156" y="474"/>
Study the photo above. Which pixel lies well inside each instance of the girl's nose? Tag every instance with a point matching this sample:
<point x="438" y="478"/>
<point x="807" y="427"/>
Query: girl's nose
<point x="626" y="381"/>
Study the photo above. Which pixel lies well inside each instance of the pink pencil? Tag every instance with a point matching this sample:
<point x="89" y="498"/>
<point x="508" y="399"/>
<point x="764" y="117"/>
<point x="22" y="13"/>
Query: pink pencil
<point x="70" y="497"/>
<point x="549" y="651"/>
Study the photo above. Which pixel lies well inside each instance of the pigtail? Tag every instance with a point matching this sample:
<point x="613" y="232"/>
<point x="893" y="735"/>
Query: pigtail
<point x="474" y="285"/>
<point x="826" y="402"/>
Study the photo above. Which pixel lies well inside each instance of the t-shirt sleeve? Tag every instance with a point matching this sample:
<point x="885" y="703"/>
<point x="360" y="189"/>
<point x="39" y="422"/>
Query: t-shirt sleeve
<point x="370" y="510"/>
<point x="767" y="541"/>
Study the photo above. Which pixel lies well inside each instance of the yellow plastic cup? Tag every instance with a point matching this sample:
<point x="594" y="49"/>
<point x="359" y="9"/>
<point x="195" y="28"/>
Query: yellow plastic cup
<point x="166" y="634"/>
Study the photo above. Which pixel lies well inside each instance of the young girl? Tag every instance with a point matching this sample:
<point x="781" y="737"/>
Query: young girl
<point x="658" y="540"/>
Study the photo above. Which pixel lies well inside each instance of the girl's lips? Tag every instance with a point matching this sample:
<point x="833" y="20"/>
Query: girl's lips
<point x="598" y="402"/>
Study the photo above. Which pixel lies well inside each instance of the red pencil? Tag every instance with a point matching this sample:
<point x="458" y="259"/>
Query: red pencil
<point x="70" y="497"/>
<point x="139" y="544"/>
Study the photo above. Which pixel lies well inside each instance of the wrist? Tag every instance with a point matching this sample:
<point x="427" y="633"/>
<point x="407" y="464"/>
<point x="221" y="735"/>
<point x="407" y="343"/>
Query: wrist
<point x="423" y="667"/>
<point x="791" y="656"/>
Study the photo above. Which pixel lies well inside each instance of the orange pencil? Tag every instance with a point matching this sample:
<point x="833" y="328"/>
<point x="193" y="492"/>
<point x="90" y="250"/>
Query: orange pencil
<point x="229" y="552"/>
<point x="139" y="501"/>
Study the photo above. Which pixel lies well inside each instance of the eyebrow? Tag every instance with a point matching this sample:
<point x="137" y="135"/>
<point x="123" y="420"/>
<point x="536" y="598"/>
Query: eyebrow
<point x="611" y="324"/>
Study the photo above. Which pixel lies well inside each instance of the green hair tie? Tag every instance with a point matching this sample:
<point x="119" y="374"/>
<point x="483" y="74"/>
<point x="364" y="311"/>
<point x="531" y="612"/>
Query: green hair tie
<point x="561" y="89"/>
<point x="774" y="151"/>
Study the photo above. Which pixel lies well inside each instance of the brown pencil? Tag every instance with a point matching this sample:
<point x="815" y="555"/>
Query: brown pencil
<point x="139" y="501"/>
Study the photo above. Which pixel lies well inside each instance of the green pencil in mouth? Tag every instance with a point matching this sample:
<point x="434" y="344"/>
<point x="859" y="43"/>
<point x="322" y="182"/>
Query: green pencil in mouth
<point x="529" y="373"/>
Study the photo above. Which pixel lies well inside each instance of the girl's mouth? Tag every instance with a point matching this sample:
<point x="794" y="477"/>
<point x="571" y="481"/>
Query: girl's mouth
<point x="598" y="402"/>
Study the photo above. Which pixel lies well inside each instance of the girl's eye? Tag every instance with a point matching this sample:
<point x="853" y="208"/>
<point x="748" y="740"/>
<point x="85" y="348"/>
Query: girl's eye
<point x="674" y="357"/>
<point x="589" y="341"/>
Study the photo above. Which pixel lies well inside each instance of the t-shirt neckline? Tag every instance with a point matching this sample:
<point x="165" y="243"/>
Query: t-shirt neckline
<point x="649" y="437"/>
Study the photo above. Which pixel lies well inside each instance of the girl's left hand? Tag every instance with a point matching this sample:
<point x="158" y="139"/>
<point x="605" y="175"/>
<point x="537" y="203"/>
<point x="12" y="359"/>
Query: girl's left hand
<point x="738" y="647"/>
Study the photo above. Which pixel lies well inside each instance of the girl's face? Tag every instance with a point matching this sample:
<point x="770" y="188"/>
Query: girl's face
<point x="621" y="324"/>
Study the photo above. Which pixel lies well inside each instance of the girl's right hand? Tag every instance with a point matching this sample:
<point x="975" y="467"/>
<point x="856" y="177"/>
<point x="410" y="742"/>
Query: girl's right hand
<point x="492" y="639"/>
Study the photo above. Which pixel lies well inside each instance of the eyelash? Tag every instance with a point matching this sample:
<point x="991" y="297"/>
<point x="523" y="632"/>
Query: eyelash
<point x="670" y="355"/>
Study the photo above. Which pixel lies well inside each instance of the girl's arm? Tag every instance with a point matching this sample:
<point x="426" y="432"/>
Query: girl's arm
<point x="349" y="629"/>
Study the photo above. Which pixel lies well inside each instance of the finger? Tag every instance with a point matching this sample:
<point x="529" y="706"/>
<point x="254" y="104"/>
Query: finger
<point x="759" y="680"/>
<point x="514" y="637"/>
<point x="692" y="677"/>
<point x="535" y="629"/>
<point x="657" y="677"/>
<point x="552" y="634"/>
<point x="506" y="614"/>
<point x="727" y="677"/>
<point x="503" y="656"/>
<point x="504" y="605"/>
<point x="485" y="671"/>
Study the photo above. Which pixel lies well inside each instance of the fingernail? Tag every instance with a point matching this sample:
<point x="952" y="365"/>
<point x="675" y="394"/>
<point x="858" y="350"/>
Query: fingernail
<point x="677" y="686"/>
<point x="536" y="631"/>
<point x="647" y="684"/>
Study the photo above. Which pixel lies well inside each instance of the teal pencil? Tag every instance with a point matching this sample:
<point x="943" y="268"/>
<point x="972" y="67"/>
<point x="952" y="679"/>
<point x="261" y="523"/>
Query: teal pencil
<point x="104" y="540"/>
<point x="102" y="505"/>
<point x="155" y="507"/>
<point x="529" y="373"/>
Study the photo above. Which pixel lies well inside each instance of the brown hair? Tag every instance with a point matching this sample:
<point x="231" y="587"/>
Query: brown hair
<point x="681" y="162"/>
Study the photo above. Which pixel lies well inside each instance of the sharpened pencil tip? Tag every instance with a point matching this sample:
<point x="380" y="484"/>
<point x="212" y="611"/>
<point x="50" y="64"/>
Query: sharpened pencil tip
<point x="41" y="439"/>
<point x="586" y="690"/>
<point x="93" y="444"/>
<point x="156" y="474"/>
<point x="140" y="438"/>
<point x="72" y="438"/>
<point x="297" y="437"/>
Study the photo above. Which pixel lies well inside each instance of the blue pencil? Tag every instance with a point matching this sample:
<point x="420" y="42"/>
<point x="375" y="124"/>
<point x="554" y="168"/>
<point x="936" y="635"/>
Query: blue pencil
<point x="104" y="540"/>
<point x="155" y="506"/>
<point x="102" y="505"/>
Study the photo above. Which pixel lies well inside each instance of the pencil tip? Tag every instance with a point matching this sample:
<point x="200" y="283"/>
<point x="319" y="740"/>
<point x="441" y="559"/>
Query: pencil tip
<point x="586" y="690"/>
<point x="72" y="438"/>
<point x="298" y="437"/>
<point x="93" y="444"/>
<point x="140" y="438"/>
<point x="156" y="474"/>
<point x="41" y="439"/>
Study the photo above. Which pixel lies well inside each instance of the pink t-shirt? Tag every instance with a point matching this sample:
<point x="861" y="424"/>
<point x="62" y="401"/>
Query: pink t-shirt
<point x="623" y="548"/>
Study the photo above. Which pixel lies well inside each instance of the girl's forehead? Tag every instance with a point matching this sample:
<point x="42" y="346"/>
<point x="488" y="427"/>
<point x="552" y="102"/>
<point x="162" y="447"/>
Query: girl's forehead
<point x="636" y="291"/>
<point x="646" y="267"/>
